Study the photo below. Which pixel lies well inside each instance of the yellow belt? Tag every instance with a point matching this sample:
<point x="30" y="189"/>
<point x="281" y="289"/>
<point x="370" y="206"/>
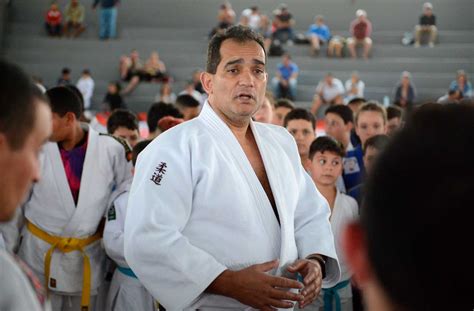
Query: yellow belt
<point x="66" y="245"/>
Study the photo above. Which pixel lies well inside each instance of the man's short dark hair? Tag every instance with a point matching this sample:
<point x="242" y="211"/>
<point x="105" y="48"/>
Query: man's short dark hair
<point x="78" y="93"/>
<point x="344" y="112"/>
<point x="64" y="100"/>
<point x="66" y="71"/>
<point x="139" y="147"/>
<point x="326" y="143"/>
<point x="394" y="112"/>
<point x="284" y="102"/>
<point x="17" y="108"/>
<point x="122" y="118"/>
<point x="236" y="33"/>
<point x="414" y="214"/>
<point x="356" y="100"/>
<point x="298" y="114"/>
<point x="378" y="142"/>
<point x="158" y="111"/>
<point x="187" y="101"/>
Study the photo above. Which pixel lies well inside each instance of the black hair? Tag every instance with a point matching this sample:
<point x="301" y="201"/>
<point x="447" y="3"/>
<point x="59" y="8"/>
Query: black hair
<point x="187" y="101"/>
<point x="414" y="214"/>
<point x="78" y="93"/>
<point x="284" y="102"/>
<point x="239" y="34"/>
<point x="342" y="111"/>
<point x="66" y="71"/>
<point x="63" y="100"/>
<point x="326" y="143"/>
<point x="158" y="111"/>
<point x="378" y="142"/>
<point x="122" y="118"/>
<point x="139" y="147"/>
<point x="300" y="113"/>
<point x="394" y="112"/>
<point x="18" y="111"/>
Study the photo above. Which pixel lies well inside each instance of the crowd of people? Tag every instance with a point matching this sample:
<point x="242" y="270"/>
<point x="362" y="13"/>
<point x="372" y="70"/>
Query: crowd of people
<point x="120" y="220"/>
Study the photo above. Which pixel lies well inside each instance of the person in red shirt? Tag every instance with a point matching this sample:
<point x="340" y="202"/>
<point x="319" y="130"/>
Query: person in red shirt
<point x="361" y="29"/>
<point x="53" y="21"/>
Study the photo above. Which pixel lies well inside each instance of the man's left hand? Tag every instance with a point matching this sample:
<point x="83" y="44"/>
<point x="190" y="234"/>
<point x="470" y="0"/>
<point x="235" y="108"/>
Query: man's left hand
<point x="312" y="279"/>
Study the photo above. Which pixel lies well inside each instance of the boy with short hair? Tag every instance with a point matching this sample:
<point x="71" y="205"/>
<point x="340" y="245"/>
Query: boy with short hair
<point x="370" y="120"/>
<point x="302" y="126"/>
<point x="394" y="119"/>
<point x="124" y="124"/>
<point x="326" y="157"/>
<point x="189" y="106"/>
<point x="282" y="107"/>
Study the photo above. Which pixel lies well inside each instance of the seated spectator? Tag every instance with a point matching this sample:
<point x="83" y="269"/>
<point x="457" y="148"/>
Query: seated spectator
<point x="361" y="30"/>
<point x="74" y="19"/>
<point x="154" y="69"/>
<point x="394" y="119"/>
<point x="159" y="111"/>
<point x="265" y="113"/>
<point x="190" y="90"/>
<point x="354" y="87"/>
<point x="113" y="100"/>
<point x="318" y="34"/>
<point x="254" y="18"/>
<point x="166" y="94"/>
<point x="282" y="107"/>
<point x="427" y="25"/>
<point x="302" y="126"/>
<point x="124" y="124"/>
<point x="329" y="91"/>
<point x="405" y="91"/>
<point x="462" y="83"/>
<point x="65" y="78"/>
<point x="286" y="80"/>
<point x="188" y="106"/>
<point x="132" y="70"/>
<point x="86" y="84"/>
<point x="335" y="46"/>
<point x="53" y="21"/>
<point x="283" y="23"/>
<point x="453" y="97"/>
<point x="225" y="19"/>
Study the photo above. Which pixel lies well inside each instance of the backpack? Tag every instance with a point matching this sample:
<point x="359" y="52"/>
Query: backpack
<point x="408" y="39"/>
<point x="276" y="49"/>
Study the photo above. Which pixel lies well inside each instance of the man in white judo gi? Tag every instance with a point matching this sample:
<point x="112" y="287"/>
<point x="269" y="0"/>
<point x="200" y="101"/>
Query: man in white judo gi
<point x="25" y="125"/>
<point x="62" y="232"/>
<point x="221" y="213"/>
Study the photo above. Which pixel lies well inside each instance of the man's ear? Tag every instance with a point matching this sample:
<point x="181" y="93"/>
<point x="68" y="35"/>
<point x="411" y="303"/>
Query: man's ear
<point x="70" y="117"/>
<point x="355" y="249"/>
<point x="206" y="81"/>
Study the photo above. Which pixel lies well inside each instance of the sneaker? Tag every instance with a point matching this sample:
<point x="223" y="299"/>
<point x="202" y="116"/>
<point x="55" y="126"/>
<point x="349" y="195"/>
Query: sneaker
<point x="431" y="44"/>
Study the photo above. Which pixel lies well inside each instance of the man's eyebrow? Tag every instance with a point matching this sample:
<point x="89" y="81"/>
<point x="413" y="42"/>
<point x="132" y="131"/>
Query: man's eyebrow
<point x="241" y="61"/>
<point x="258" y="62"/>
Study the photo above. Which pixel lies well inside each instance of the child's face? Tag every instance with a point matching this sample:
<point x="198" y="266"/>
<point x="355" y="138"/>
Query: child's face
<point x="370" y="123"/>
<point x="112" y="88"/>
<point x="326" y="167"/>
<point x="304" y="134"/>
<point x="335" y="127"/>
<point x="393" y="125"/>
<point x="279" y="115"/>
<point x="131" y="136"/>
<point x="370" y="156"/>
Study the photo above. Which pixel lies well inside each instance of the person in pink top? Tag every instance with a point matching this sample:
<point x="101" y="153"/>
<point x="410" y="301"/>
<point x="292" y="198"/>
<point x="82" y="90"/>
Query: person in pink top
<point x="361" y="30"/>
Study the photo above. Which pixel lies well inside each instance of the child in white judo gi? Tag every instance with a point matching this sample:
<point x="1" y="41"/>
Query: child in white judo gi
<point x="326" y="156"/>
<point x="126" y="292"/>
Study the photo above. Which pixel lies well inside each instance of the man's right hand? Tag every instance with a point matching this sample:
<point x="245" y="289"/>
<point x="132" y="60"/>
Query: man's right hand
<point x="253" y="287"/>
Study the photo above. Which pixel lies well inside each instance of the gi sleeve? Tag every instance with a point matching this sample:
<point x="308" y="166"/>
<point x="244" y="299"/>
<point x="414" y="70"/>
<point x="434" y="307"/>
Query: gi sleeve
<point x="113" y="231"/>
<point x="173" y="270"/>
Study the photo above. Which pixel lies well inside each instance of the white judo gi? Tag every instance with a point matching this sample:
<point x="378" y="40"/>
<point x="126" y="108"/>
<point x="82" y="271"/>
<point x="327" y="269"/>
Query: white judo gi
<point x="52" y="209"/>
<point x="126" y="292"/>
<point x="345" y="211"/>
<point x="197" y="208"/>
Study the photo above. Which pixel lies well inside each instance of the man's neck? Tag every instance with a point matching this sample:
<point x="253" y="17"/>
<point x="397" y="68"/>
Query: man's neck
<point x="75" y="136"/>
<point x="238" y="126"/>
<point x="328" y="191"/>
